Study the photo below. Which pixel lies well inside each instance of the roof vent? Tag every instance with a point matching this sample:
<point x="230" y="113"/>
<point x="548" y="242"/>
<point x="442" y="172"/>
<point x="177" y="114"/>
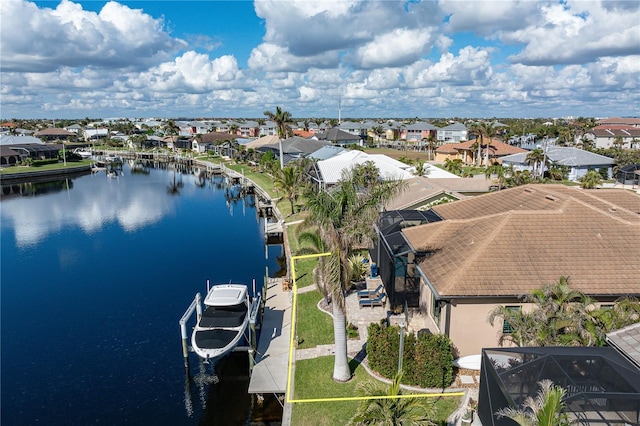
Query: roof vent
<point x="550" y="197"/>
<point x="529" y="190"/>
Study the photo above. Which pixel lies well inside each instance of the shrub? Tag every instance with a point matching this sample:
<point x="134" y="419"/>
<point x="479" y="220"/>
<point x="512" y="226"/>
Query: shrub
<point x="427" y="360"/>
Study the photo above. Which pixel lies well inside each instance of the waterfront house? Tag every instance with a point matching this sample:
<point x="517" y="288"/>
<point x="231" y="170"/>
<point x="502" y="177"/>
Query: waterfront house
<point x="608" y="136"/>
<point x="475" y="254"/>
<point x="55" y="134"/>
<point x="14" y="149"/>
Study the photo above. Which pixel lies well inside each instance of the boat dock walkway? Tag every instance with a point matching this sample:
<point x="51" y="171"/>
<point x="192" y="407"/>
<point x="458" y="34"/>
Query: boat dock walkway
<point x="269" y="373"/>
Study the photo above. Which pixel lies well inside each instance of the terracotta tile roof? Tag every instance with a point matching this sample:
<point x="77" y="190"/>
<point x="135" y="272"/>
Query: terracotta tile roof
<point x="302" y="133"/>
<point x="508" y="242"/>
<point x="496" y="148"/>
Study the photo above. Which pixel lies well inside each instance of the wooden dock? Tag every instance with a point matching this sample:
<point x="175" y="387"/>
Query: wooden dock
<point x="269" y="374"/>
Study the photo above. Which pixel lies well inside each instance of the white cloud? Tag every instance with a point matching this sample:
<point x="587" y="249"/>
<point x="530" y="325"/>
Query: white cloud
<point x="384" y="58"/>
<point x="34" y="39"/>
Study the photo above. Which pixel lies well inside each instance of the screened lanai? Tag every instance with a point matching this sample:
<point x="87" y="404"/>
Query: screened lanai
<point x="602" y="387"/>
<point x="393" y="256"/>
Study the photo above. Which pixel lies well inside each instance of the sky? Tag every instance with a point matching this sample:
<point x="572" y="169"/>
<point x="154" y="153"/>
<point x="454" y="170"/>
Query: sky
<point x="331" y="59"/>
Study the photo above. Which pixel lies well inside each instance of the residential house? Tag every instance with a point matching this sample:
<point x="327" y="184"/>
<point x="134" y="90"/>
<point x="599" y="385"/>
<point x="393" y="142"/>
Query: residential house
<point x="340" y="137"/>
<point x="607" y="136"/>
<point x="417" y="133"/>
<point x="617" y="121"/>
<point x="578" y="161"/>
<point x="485" y="251"/>
<point x="328" y="172"/>
<point x="456" y="132"/>
<point x="14" y="149"/>
<point x="268" y="128"/>
<point x="209" y="141"/>
<point x="292" y="148"/>
<point x="55" y="134"/>
<point x="468" y="151"/>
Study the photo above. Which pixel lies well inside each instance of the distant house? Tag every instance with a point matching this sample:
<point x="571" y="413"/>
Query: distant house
<point x="14" y="149"/>
<point x="468" y="151"/>
<point x="481" y="252"/>
<point x="577" y="160"/>
<point x="95" y="133"/>
<point x="456" y="132"/>
<point x="328" y="172"/>
<point x="209" y="141"/>
<point x="617" y="121"/>
<point x="340" y="137"/>
<point x="418" y="132"/>
<point x="55" y="133"/>
<point x="607" y="136"/>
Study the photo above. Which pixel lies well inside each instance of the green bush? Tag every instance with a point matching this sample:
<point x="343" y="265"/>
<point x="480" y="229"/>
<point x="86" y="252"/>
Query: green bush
<point x="427" y="360"/>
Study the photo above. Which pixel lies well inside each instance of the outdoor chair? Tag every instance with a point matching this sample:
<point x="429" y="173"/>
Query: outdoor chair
<point x="370" y="293"/>
<point x="378" y="301"/>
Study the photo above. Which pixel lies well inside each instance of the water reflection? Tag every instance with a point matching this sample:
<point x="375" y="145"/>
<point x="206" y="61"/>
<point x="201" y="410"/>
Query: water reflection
<point x="93" y="202"/>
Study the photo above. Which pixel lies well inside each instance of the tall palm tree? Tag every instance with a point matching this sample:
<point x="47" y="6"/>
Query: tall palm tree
<point x="487" y="130"/>
<point x="390" y="410"/>
<point x="343" y="217"/>
<point x="171" y="128"/>
<point x="289" y="181"/>
<point x="543" y="410"/>
<point x="535" y="159"/>
<point x="282" y="119"/>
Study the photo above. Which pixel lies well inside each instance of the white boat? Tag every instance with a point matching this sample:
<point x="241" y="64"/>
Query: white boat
<point x="223" y="322"/>
<point x="84" y="153"/>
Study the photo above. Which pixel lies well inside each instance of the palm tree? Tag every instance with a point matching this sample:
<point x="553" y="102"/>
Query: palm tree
<point x="591" y="180"/>
<point x="498" y="170"/>
<point x="391" y="408"/>
<point x="282" y="119"/>
<point x="289" y="181"/>
<point x="487" y="130"/>
<point x="543" y="410"/>
<point x="333" y="122"/>
<point x="170" y="128"/>
<point x="453" y="166"/>
<point x="343" y="217"/>
<point x="535" y="159"/>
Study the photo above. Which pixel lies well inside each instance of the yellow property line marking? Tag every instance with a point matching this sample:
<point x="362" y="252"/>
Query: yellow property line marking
<point x="360" y="398"/>
<point x="291" y="342"/>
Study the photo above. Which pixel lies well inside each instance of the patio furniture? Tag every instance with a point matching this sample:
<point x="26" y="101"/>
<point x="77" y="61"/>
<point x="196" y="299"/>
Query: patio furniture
<point x="370" y="293"/>
<point x="378" y="301"/>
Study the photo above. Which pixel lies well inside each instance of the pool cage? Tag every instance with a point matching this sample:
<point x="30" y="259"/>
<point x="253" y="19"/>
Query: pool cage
<point x="602" y="387"/>
<point x="394" y="257"/>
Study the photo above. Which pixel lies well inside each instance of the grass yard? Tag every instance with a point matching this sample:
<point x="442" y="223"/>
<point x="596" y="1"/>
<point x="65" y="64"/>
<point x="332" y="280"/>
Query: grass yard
<point x="313" y="326"/>
<point x="313" y="380"/>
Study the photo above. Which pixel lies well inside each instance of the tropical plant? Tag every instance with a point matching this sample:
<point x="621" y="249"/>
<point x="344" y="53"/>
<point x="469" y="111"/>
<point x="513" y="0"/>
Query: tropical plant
<point x="562" y="316"/>
<point x="453" y="166"/>
<point x="391" y="407"/>
<point x="170" y="128"/>
<point x="344" y="217"/>
<point x="590" y="180"/>
<point x="283" y="120"/>
<point x="289" y="182"/>
<point x="496" y="170"/>
<point x="543" y="410"/>
<point x="536" y="160"/>
<point x="488" y="131"/>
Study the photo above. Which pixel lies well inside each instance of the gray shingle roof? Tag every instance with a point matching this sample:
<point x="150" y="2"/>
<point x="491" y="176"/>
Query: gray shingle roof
<point x="567" y="156"/>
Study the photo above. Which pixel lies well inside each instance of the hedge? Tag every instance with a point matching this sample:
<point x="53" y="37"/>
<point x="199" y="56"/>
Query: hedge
<point x="427" y="360"/>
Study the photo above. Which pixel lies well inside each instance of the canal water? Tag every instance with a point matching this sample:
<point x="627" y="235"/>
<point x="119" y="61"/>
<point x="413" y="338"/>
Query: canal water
<point x="96" y="272"/>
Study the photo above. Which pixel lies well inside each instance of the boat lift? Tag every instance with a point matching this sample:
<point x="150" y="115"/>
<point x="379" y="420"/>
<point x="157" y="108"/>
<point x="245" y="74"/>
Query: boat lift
<point x="255" y="315"/>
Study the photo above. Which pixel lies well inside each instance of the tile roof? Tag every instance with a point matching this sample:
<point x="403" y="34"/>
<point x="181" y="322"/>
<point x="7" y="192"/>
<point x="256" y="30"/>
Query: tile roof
<point x="627" y="341"/>
<point x="497" y="147"/>
<point x="508" y="242"/>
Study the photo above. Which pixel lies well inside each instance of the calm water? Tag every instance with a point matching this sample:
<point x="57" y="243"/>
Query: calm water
<point x="95" y="274"/>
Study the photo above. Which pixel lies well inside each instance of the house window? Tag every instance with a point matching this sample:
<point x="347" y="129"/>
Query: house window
<point x="506" y="327"/>
<point x="436" y="309"/>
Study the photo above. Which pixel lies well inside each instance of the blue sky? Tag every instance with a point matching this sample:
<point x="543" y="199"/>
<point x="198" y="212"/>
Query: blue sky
<point x="445" y="58"/>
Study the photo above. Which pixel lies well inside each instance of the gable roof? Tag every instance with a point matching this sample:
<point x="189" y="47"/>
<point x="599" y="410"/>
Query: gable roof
<point x="497" y="148"/>
<point x="263" y="141"/>
<point x="508" y="242"/>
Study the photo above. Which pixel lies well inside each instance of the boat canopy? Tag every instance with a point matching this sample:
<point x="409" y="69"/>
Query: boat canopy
<point x="226" y="295"/>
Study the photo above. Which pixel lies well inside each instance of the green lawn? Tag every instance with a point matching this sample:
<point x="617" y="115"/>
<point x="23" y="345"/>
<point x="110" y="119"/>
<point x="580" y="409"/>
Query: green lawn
<point x="57" y="166"/>
<point x="313" y="326"/>
<point x="313" y="379"/>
